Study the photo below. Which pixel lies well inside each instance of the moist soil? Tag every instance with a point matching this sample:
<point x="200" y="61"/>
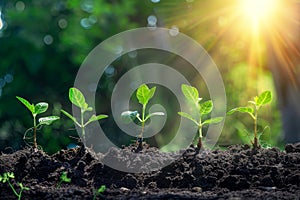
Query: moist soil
<point x="239" y="172"/>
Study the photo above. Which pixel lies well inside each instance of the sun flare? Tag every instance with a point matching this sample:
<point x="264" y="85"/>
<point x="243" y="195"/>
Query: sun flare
<point x="258" y="10"/>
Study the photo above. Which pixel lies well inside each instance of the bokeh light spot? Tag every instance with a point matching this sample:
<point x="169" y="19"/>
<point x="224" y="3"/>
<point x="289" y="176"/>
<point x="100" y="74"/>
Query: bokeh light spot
<point x="48" y="39"/>
<point x="152" y="20"/>
<point x="8" y="78"/>
<point x="20" y="6"/>
<point x="62" y="23"/>
<point x="87" y="6"/>
<point x="110" y="71"/>
<point x="132" y="54"/>
<point x="174" y="31"/>
<point x="85" y="23"/>
<point x="1" y="22"/>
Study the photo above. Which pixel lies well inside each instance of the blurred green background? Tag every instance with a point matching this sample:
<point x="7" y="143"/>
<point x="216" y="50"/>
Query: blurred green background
<point x="43" y="44"/>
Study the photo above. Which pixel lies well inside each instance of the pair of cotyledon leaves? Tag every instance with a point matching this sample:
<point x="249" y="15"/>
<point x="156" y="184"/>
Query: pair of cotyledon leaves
<point x="75" y="96"/>
<point x="143" y="94"/>
<point x="78" y="99"/>
<point x="192" y="95"/>
<point x="38" y="108"/>
<point x="259" y="101"/>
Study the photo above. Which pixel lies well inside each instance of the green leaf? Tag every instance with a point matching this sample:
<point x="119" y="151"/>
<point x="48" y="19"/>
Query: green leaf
<point x="128" y="116"/>
<point x="157" y="114"/>
<point x="70" y="116"/>
<point x="190" y="93"/>
<point x="144" y="94"/>
<point x="40" y="108"/>
<point x="188" y="116"/>
<point x="65" y="178"/>
<point x="89" y="109"/>
<point x="96" y="118"/>
<point x="48" y="120"/>
<point x="77" y="98"/>
<point x="241" y="109"/>
<point x="264" y="98"/>
<point x="214" y="120"/>
<point x="101" y="189"/>
<point x="206" y="107"/>
<point x="27" y="104"/>
<point x="151" y="93"/>
<point x="154" y="114"/>
<point x="10" y="175"/>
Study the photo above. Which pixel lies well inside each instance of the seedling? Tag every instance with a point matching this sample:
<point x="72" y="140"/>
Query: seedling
<point x="258" y="102"/>
<point x="35" y="110"/>
<point x="63" y="179"/>
<point x="100" y="190"/>
<point x="6" y="178"/>
<point x="143" y="94"/>
<point x="77" y="98"/>
<point x="192" y="95"/>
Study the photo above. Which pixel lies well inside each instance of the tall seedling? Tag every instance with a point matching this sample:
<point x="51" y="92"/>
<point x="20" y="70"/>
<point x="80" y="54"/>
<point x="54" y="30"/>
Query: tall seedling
<point x="77" y="98"/>
<point x="259" y="101"/>
<point x="143" y="94"/>
<point x="36" y="109"/>
<point x="205" y="108"/>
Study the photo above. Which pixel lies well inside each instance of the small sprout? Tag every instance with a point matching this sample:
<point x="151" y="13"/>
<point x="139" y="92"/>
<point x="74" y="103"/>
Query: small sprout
<point x="36" y="109"/>
<point x="100" y="190"/>
<point x="263" y="99"/>
<point x="6" y="178"/>
<point x="192" y="95"/>
<point x="77" y="98"/>
<point x="63" y="178"/>
<point x="143" y="94"/>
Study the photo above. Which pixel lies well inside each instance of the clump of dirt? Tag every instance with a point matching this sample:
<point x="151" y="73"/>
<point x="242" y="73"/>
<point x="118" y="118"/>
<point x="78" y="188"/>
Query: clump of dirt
<point x="236" y="173"/>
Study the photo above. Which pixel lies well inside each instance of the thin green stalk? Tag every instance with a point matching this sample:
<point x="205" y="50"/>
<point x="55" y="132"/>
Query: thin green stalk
<point x="200" y="133"/>
<point x="255" y="142"/>
<point x="82" y="126"/>
<point x="143" y="113"/>
<point x="13" y="189"/>
<point x="143" y="121"/>
<point x="59" y="184"/>
<point x="34" y="132"/>
<point x="143" y="125"/>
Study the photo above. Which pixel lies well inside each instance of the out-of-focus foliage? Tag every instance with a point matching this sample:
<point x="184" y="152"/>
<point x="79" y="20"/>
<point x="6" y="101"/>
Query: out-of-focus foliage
<point x="229" y="40"/>
<point x="42" y="44"/>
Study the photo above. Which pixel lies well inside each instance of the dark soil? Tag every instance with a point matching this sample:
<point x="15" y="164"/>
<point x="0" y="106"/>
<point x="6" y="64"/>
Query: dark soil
<point x="237" y="173"/>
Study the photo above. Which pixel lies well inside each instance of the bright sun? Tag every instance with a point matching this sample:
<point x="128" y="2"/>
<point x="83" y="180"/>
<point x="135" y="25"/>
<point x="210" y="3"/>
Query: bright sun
<point x="258" y="10"/>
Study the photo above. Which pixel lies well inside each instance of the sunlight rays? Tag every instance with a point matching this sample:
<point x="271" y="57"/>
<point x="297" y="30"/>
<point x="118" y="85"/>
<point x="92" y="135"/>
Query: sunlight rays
<point x="260" y="26"/>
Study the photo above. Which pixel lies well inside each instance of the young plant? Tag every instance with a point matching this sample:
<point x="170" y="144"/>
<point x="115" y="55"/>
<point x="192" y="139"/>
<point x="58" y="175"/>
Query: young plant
<point x="36" y="109"/>
<point x="6" y="178"/>
<point x="143" y="94"/>
<point x="192" y="95"/>
<point x="63" y="178"/>
<point x="77" y="98"/>
<point x="252" y="110"/>
<point x="100" y="190"/>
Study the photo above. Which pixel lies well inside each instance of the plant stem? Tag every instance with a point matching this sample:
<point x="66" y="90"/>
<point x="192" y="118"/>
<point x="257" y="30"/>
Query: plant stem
<point x="82" y="127"/>
<point x="13" y="189"/>
<point x="143" y="120"/>
<point x="59" y="184"/>
<point x="141" y="134"/>
<point x="255" y="141"/>
<point x="199" y="144"/>
<point x="34" y="132"/>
